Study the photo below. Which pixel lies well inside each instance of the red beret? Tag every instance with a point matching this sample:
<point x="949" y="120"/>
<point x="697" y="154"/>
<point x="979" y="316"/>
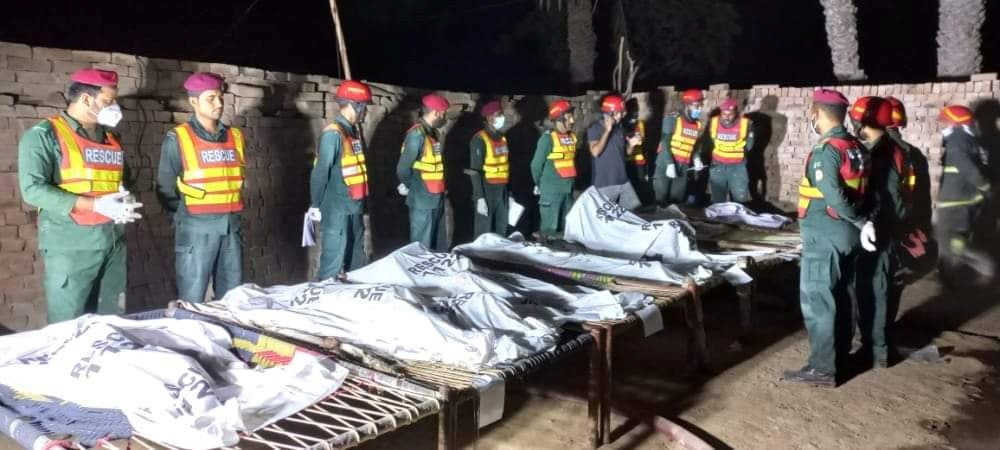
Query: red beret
<point x="691" y="96"/>
<point x="728" y="104"/>
<point x="95" y="77"/>
<point x="200" y="82"/>
<point x="829" y="97"/>
<point x="436" y="102"/>
<point x="491" y="108"/>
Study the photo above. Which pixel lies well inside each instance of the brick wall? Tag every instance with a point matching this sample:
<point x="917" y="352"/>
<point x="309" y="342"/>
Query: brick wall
<point x="282" y="115"/>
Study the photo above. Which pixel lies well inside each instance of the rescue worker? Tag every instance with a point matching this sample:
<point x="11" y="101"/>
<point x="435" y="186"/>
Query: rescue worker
<point x="72" y="168"/>
<point x="917" y="192"/>
<point x="608" y="147"/>
<point x="830" y="211"/>
<point x="635" y="165"/>
<point x="200" y="182"/>
<point x="338" y="185"/>
<point x="732" y="138"/>
<point x="489" y="169"/>
<point x="676" y="154"/>
<point x="553" y="169"/>
<point x="875" y="271"/>
<point x="421" y="174"/>
<point x="961" y="195"/>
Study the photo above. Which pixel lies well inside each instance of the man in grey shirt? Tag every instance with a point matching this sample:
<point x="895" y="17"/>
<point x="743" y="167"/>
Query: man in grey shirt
<point x="608" y="146"/>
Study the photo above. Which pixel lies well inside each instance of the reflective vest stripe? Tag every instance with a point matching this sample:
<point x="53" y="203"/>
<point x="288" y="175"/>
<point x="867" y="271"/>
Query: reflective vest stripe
<point x="211" y="187"/>
<point x="563" y="154"/>
<point x="951" y="204"/>
<point x="729" y="146"/>
<point x="83" y="177"/>
<point x="950" y="169"/>
<point x="353" y="168"/>
<point x="430" y="164"/>
<point x="854" y="178"/>
<point x="638" y="157"/>
<point x="496" y="164"/>
<point x="683" y="140"/>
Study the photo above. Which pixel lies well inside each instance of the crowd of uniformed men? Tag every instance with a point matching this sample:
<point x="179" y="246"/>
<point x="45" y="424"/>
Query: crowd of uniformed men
<point x="864" y="203"/>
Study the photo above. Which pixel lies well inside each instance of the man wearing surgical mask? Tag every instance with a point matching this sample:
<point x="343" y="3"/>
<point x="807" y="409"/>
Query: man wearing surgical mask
<point x="72" y="168"/>
<point x="489" y="170"/>
<point x="200" y="182"/>
<point x="677" y="154"/>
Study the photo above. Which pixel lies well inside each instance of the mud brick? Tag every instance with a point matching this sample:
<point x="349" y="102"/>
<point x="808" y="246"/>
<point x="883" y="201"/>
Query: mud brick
<point x="32" y="65"/>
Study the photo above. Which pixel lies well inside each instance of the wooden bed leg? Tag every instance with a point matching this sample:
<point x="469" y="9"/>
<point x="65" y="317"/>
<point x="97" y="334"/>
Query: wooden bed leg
<point x="594" y="387"/>
<point x="745" y="294"/>
<point x="608" y="385"/>
<point x="694" y="315"/>
<point x="447" y="426"/>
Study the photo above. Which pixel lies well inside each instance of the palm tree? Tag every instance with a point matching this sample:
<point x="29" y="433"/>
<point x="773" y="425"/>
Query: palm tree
<point x="842" y="36"/>
<point x="959" y="38"/>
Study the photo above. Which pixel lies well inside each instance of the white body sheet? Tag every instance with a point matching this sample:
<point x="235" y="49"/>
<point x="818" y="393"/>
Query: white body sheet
<point x="175" y="380"/>
<point x="737" y="214"/>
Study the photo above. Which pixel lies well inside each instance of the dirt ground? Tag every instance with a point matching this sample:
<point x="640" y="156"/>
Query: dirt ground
<point x="952" y="404"/>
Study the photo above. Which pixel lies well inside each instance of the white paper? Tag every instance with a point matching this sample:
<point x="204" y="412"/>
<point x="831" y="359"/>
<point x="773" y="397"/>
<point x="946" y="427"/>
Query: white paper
<point x="736" y="276"/>
<point x="652" y="319"/>
<point x="514" y="212"/>
<point x="491" y="400"/>
<point x="308" y="232"/>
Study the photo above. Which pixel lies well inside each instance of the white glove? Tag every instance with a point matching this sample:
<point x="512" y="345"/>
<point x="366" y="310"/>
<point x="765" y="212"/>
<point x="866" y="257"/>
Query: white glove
<point x="402" y="189"/>
<point x="130" y="206"/>
<point x="698" y="165"/>
<point x="314" y="215"/>
<point x="868" y="236"/>
<point x="671" y="171"/>
<point x="536" y="191"/>
<point x="111" y="206"/>
<point x="481" y="207"/>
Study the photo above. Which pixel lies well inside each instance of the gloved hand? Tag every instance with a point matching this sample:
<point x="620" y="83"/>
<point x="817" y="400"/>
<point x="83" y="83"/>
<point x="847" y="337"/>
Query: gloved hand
<point x="314" y="215"/>
<point x="671" y="171"/>
<point x="868" y="236"/>
<point x="536" y="191"/>
<point x="111" y="206"/>
<point x="481" y="207"/>
<point x="403" y="190"/>
<point x="130" y="206"/>
<point x="698" y="165"/>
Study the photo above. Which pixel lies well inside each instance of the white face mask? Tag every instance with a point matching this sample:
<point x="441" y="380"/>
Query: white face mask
<point x="110" y="115"/>
<point x="499" y="122"/>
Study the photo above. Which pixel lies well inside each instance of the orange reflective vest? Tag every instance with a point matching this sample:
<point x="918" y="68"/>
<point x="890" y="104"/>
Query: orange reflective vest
<point x="637" y="157"/>
<point x="563" y="153"/>
<point x="853" y="173"/>
<point x="213" y="171"/>
<point x="430" y="164"/>
<point x="729" y="142"/>
<point x="352" y="163"/>
<point x="682" y="142"/>
<point x="88" y="168"/>
<point x="496" y="167"/>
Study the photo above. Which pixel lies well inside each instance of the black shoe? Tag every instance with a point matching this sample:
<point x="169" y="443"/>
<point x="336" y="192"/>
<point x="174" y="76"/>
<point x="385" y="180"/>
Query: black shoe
<point x="808" y="375"/>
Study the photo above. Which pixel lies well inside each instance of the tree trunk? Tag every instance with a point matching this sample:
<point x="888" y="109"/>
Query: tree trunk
<point x="959" y="38"/>
<point x="581" y="40"/>
<point x="842" y="36"/>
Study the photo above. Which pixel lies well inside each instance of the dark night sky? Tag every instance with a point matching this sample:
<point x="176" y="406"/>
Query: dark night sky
<point x="449" y="44"/>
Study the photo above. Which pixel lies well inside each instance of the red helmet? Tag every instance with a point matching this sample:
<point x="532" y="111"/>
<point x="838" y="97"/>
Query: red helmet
<point x="872" y="111"/>
<point x="558" y="108"/>
<point x="613" y="103"/>
<point x="354" y="91"/>
<point x="956" y="115"/>
<point x="691" y="96"/>
<point x="898" y="112"/>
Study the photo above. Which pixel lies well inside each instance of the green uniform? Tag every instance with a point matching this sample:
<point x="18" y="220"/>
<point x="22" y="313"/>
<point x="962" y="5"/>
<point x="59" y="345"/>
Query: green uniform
<point x="555" y="192"/>
<point x="730" y="180"/>
<point x="829" y="250"/>
<point x="84" y="265"/>
<point x="343" y="229"/>
<point x="426" y="209"/>
<point x="665" y="189"/>
<point x="876" y="270"/>
<point x="496" y="195"/>
<point x="205" y="245"/>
